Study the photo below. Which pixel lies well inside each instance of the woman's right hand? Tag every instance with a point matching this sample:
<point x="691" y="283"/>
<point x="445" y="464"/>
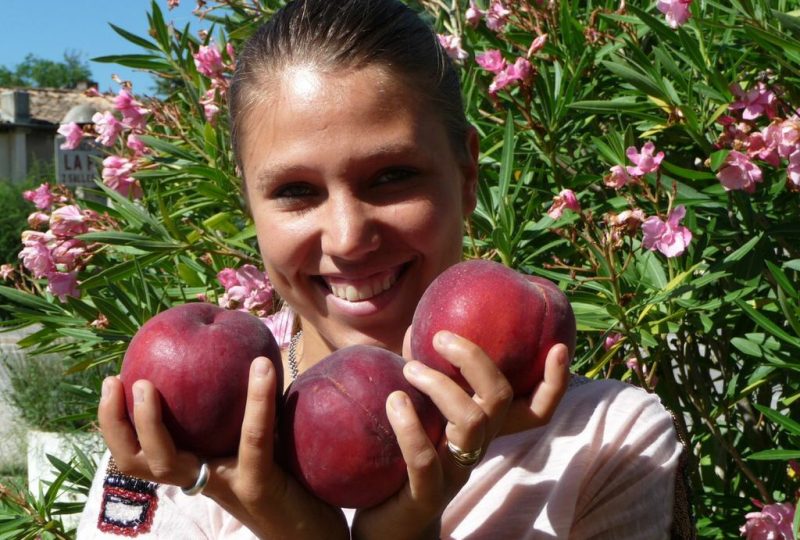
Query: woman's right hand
<point x="250" y="486"/>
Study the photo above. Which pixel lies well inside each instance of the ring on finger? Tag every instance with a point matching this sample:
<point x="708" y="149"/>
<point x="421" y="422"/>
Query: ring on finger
<point x="200" y="483"/>
<point x="463" y="458"/>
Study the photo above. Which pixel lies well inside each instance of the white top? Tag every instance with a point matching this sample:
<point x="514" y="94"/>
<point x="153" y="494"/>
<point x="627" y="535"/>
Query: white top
<point x="604" y="467"/>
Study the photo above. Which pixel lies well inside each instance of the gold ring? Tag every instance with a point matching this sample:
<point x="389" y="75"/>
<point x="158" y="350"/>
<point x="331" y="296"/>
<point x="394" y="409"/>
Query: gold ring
<point x="200" y="483"/>
<point x="462" y="458"/>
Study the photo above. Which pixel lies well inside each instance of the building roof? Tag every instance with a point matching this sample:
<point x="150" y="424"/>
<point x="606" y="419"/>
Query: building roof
<point x="51" y="105"/>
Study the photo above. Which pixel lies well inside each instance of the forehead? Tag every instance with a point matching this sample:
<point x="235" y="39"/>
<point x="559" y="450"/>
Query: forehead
<point x="313" y="115"/>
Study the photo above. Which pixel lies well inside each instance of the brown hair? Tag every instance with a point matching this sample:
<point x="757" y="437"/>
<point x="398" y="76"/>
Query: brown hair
<point x="336" y="34"/>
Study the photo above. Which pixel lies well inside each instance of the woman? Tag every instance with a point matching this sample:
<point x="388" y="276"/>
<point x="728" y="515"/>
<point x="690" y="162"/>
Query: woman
<point x="359" y="168"/>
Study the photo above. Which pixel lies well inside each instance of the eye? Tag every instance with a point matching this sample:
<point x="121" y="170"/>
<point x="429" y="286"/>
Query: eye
<point x="296" y="190"/>
<point x="391" y="176"/>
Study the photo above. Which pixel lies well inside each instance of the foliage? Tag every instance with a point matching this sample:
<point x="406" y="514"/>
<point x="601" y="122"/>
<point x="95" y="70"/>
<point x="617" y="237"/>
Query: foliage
<point x="701" y="309"/>
<point x="43" y="73"/>
<point x="14" y="211"/>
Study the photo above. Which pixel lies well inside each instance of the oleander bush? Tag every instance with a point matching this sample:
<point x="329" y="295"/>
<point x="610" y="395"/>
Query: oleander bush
<point x="644" y="156"/>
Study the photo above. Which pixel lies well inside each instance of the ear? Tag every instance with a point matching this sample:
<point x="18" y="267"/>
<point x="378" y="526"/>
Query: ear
<point x="469" y="169"/>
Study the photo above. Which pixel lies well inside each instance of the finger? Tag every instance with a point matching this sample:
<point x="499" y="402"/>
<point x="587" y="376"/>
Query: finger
<point x="493" y="393"/>
<point x="163" y="460"/>
<point x="535" y="411"/>
<point x="467" y="421"/>
<point x="256" y="441"/>
<point x="115" y="425"/>
<point x="407" y="344"/>
<point x="421" y="457"/>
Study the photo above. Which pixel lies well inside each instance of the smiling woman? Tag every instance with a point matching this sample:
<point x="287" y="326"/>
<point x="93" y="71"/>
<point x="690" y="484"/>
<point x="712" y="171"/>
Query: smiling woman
<point x="359" y="169"/>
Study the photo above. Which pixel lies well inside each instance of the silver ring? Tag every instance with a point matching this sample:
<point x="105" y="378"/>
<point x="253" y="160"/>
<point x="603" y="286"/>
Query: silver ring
<point x="200" y="483"/>
<point x="462" y="458"/>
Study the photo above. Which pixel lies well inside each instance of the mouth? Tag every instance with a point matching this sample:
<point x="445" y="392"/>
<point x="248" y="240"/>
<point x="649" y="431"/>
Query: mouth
<point x="365" y="288"/>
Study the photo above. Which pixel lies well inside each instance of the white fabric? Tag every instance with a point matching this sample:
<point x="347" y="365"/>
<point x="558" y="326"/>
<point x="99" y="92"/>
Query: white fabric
<point x="604" y="467"/>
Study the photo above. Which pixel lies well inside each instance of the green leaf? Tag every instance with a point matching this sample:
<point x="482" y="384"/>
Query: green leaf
<point x="133" y="38"/>
<point x="746" y="248"/>
<point x="168" y="148"/>
<point x="768" y="325"/>
<point x="131" y="239"/>
<point x="784" y="421"/>
<point x="777" y="454"/>
<point x="718" y="158"/>
<point x="136" y="61"/>
<point x="640" y="80"/>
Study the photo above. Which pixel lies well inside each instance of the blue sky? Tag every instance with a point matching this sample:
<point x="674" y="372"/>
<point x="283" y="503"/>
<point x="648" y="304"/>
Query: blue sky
<point x="48" y="28"/>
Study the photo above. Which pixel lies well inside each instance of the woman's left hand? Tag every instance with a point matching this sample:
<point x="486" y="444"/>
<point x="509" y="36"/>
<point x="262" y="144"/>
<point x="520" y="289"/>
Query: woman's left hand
<point x="434" y="475"/>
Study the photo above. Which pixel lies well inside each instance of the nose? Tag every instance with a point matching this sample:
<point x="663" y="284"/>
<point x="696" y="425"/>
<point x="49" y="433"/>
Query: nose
<point x="351" y="230"/>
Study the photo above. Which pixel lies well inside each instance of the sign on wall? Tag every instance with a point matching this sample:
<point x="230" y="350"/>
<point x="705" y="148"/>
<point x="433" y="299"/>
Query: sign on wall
<point x="77" y="168"/>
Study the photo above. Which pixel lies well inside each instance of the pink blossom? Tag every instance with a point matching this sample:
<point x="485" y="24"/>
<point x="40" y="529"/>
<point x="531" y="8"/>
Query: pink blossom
<point x="491" y="61"/>
<point x="227" y="277"/>
<point x="772" y="522"/>
<point x="108" y="128"/>
<point x="172" y="4"/>
<point x="231" y="52"/>
<point x="565" y="199"/>
<point x="755" y="102"/>
<point x="63" y="284"/>
<point x="41" y="197"/>
<point x="626" y="222"/>
<point x="676" y="11"/>
<point x="36" y="257"/>
<point x="210" y="108"/>
<point x="764" y="144"/>
<point x="632" y="363"/>
<point x="281" y="325"/>
<point x="537" y="45"/>
<point x="133" y="114"/>
<point x="644" y="161"/>
<point x="136" y="144"/>
<point x="6" y="272"/>
<point x="473" y="14"/>
<point x="789" y="137"/>
<point x="37" y="219"/>
<point x="69" y="253"/>
<point x="611" y="340"/>
<point x="670" y="238"/>
<point x="618" y="177"/>
<point x="247" y="289"/>
<point x="100" y="323"/>
<point x="519" y="71"/>
<point x="497" y="16"/>
<point x="452" y="46"/>
<point x="68" y="221"/>
<point x="208" y="61"/>
<point x="793" y="170"/>
<point x="738" y="172"/>
<point x="73" y="134"/>
<point x="117" y="175"/>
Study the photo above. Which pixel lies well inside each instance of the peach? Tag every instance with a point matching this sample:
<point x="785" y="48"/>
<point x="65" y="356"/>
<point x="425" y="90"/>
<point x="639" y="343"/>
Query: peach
<point x="198" y="357"/>
<point x="514" y="318"/>
<point x="334" y="431"/>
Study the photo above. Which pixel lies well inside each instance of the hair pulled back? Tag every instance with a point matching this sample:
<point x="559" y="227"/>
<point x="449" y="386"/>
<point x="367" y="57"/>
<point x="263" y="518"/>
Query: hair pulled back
<point x="348" y="34"/>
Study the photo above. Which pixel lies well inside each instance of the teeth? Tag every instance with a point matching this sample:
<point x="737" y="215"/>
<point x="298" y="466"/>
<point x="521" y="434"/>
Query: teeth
<point x="368" y="289"/>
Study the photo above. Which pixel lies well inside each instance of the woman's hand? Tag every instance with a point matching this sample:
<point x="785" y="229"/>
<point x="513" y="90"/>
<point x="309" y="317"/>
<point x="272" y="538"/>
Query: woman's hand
<point x="250" y="486"/>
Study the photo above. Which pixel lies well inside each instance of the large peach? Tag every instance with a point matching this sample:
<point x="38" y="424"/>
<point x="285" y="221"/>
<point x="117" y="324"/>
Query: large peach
<point x="198" y="356"/>
<point x="334" y="431"/>
<point x="514" y="318"/>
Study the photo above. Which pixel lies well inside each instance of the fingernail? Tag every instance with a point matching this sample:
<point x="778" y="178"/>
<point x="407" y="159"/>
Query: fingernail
<point x="261" y="368"/>
<point x="138" y="394"/>
<point x="444" y="338"/>
<point x="416" y="369"/>
<point x="105" y="389"/>
<point x="397" y="401"/>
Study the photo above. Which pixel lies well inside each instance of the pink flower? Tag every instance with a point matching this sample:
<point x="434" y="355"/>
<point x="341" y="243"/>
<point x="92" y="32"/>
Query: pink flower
<point x="281" y="325"/>
<point x="565" y="199"/>
<point x="789" y="136"/>
<point x="37" y="219"/>
<point x="519" y="71"/>
<point x="208" y="61"/>
<point x="676" y="11"/>
<point x="644" y="161"/>
<point x="491" y="61"/>
<point x="670" y="238"/>
<point x="632" y="363"/>
<point x="108" y="128"/>
<point x="611" y="340"/>
<point x="117" y="175"/>
<point x="41" y="197"/>
<point x="618" y="177"/>
<point x="36" y="257"/>
<point x="755" y="102"/>
<point x="537" y="45"/>
<point x="73" y="134"/>
<point x="210" y="108"/>
<point x="497" y="16"/>
<point x="100" y="323"/>
<point x="68" y="221"/>
<point x="773" y="522"/>
<point x="136" y="144"/>
<point x="473" y="14"/>
<point x="247" y="289"/>
<point x="6" y="272"/>
<point x="738" y="172"/>
<point x="63" y="284"/>
<point x="793" y="170"/>
<point x="764" y="144"/>
<point x="452" y="46"/>
<point x="69" y="253"/>
<point x="172" y="4"/>
<point x="133" y="114"/>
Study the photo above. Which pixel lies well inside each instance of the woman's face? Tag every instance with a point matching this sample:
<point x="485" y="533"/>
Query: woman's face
<point x="358" y="201"/>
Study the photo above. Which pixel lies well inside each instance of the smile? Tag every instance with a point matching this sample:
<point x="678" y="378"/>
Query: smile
<point x="357" y="290"/>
